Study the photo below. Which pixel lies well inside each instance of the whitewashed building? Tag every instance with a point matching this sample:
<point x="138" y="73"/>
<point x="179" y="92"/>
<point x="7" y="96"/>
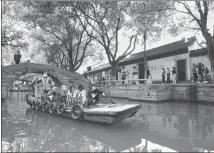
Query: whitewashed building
<point x="180" y="54"/>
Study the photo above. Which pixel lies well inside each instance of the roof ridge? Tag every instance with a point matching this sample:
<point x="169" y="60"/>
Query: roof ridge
<point x="183" y="40"/>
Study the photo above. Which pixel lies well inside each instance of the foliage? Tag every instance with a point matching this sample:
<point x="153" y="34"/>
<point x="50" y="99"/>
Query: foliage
<point x="150" y="16"/>
<point x="13" y="37"/>
<point x="66" y="42"/>
<point x="149" y="20"/>
<point x="106" y="22"/>
<point x="195" y="16"/>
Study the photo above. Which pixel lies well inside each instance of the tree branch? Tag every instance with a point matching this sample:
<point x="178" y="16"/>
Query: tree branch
<point x="190" y="12"/>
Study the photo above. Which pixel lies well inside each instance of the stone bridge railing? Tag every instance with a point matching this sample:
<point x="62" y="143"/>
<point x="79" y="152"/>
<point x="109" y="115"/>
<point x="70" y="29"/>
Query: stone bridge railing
<point x="14" y="72"/>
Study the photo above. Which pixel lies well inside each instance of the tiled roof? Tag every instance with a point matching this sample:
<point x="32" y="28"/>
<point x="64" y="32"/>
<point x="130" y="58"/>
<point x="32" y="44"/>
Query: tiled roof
<point x="101" y="67"/>
<point x="163" y="49"/>
<point x="198" y="52"/>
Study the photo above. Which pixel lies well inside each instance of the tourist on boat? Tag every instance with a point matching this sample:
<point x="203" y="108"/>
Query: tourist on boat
<point x="94" y="94"/>
<point x="64" y="90"/>
<point x="72" y="92"/>
<point x="53" y="93"/>
<point x="81" y="93"/>
<point x="63" y="93"/>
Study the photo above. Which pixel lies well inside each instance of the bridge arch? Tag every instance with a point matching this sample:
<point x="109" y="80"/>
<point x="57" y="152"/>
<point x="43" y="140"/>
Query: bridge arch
<point x="13" y="72"/>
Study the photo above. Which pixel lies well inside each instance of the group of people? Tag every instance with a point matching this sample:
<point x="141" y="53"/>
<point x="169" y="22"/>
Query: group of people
<point x="53" y="93"/>
<point x="166" y="74"/>
<point x="200" y="73"/>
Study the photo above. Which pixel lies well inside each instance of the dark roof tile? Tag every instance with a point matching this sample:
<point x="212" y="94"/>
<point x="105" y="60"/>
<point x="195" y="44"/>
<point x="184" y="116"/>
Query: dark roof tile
<point x="163" y="49"/>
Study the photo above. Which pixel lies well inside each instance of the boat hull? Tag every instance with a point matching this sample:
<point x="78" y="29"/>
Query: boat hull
<point x="114" y="112"/>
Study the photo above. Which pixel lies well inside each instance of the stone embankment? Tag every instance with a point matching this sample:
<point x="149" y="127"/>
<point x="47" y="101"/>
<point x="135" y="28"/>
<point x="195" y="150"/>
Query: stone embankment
<point x="165" y="92"/>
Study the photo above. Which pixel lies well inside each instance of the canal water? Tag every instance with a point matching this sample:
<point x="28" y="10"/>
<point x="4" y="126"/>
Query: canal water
<point x="166" y="127"/>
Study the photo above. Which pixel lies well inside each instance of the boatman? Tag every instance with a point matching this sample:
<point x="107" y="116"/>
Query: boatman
<point x="47" y="83"/>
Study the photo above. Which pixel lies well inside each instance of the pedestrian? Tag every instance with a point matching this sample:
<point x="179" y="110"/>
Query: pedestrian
<point x="206" y="76"/>
<point x="200" y="73"/>
<point x="123" y="77"/>
<point x="149" y="76"/>
<point x="168" y="75"/>
<point x="17" y="57"/>
<point x="194" y="72"/>
<point x="163" y="75"/>
<point x="174" y="75"/>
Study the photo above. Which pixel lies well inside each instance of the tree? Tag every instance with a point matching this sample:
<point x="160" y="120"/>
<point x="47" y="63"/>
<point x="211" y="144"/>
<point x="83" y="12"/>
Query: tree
<point x="148" y="18"/>
<point x="106" y="22"/>
<point x="197" y="14"/>
<point x="66" y="41"/>
<point x="12" y="38"/>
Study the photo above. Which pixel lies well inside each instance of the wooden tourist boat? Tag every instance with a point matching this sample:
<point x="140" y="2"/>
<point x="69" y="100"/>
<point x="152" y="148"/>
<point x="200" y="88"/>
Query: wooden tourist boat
<point x="105" y="112"/>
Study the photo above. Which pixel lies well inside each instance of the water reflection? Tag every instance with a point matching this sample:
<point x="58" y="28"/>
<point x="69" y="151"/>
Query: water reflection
<point x="165" y="127"/>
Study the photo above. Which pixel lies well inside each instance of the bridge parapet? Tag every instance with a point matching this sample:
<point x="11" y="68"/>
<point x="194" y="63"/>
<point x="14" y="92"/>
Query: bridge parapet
<point x="13" y="72"/>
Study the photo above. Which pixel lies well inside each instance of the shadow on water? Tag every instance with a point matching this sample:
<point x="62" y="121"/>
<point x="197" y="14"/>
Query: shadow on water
<point x="156" y="127"/>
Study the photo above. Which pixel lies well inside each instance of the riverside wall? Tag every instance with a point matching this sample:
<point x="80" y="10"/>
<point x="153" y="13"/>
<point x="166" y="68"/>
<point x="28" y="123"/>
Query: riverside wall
<point x="164" y="92"/>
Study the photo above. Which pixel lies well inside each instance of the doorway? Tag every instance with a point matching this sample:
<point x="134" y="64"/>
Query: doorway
<point x="141" y="72"/>
<point x="181" y="70"/>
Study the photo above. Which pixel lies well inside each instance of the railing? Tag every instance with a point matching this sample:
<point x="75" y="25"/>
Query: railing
<point x="120" y="82"/>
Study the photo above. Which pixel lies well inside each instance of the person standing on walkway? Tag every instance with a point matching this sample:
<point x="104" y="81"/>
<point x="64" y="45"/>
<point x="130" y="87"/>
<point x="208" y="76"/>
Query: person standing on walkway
<point x="163" y="75"/>
<point x="17" y="57"/>
<point x="149" y="76"/>
<point x="200" y="73"/>
<point x="194" y="72"/>
<point x="206" y="75"/>
<point x="174" y="75"/>
<point x="123" y="77"/>
<point x="168" y="75"/>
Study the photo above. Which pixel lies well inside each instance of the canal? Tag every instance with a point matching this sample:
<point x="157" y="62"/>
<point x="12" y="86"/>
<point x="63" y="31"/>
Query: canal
<point x="166" y="127"/>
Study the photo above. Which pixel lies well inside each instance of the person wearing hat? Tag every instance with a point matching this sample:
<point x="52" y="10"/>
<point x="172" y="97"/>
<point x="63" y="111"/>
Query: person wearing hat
<point x="94" y="94"/>
<point x="47" y="83"/>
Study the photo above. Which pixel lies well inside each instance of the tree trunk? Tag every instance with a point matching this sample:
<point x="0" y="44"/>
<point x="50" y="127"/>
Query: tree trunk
<point x="113" y="68"/>
<point x="145" y="58"/>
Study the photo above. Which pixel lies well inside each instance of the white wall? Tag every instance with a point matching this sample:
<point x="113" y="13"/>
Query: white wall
<point x="156" y="66"/>
<point x="129" y="72"/>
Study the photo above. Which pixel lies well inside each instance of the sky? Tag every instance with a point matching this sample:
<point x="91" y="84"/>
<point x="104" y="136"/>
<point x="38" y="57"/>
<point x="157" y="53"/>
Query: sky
<point x="123" y="43"/>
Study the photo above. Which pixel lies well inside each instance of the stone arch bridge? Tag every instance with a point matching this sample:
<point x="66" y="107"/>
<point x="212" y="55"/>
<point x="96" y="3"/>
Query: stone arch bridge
<point x="13" y="72"/>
